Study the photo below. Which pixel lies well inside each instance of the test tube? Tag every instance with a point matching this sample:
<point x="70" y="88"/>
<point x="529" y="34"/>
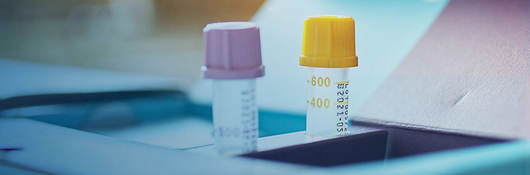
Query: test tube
<point x="328" y="55"/>
<point x="233" y="62"/>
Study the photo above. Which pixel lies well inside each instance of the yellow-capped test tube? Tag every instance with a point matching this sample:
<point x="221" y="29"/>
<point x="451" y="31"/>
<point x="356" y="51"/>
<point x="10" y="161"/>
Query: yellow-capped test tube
<point x="328" y="53"/>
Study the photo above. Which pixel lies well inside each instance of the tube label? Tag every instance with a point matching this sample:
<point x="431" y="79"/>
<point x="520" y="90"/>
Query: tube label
<point x="328" y="101"/>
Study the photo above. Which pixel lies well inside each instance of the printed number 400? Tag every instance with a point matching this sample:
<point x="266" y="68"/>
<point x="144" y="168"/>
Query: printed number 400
<point x="319" y="103"/>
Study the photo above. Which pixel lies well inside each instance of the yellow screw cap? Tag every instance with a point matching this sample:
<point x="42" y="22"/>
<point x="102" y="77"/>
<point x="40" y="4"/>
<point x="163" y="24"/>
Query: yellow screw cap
<point x="329" y="41"/>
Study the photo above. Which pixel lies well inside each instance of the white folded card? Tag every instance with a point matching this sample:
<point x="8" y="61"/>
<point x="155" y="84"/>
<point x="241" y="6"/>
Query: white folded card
<point x="470" y="73"/>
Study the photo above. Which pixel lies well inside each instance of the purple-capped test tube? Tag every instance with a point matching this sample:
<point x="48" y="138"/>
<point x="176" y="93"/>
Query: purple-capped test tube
<point x="233" y="62"/>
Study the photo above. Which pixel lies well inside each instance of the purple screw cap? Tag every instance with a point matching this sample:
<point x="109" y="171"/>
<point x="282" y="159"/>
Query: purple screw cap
<point x="232" y="51"/>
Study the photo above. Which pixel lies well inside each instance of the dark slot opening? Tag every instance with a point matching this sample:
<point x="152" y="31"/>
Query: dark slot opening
<point x="380" y="144"/>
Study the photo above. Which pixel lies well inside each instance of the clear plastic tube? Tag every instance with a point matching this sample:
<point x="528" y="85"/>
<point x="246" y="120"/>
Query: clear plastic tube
<point x="327" y="102"/>
<point x="235" y="116"/>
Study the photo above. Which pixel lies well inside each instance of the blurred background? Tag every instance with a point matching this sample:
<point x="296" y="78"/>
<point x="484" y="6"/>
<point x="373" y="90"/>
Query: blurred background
<point x="160" y="37"/>
<point x="164" y="37"/>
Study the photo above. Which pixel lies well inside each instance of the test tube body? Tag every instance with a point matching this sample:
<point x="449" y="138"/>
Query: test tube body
<point x="327" y="102"/>
<point x="233" y="62"/>
<point x="235" y="116"/>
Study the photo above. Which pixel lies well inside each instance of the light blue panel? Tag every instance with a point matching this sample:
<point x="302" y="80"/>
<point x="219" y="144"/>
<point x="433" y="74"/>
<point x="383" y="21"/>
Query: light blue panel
<point x="75" y="152"/>
<point x="504" y="158"/>
<point x="385" y="32"/>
